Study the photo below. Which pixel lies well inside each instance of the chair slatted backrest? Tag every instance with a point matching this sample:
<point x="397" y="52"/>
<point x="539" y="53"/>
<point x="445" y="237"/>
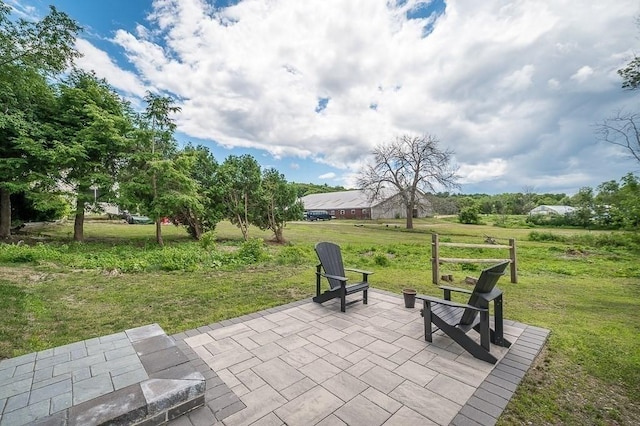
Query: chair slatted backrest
<point x="331" y="260"/>
<point x="486" y="283"/>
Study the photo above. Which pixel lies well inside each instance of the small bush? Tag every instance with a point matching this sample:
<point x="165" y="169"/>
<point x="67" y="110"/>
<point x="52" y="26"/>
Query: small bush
<point x="252" y="251"/>
<point x="208" y="240"/>
<point x="546" y="236"/>
<point x="292" y="255"/>
<point x="381" y="260"/>
<point x="469" y="216"/>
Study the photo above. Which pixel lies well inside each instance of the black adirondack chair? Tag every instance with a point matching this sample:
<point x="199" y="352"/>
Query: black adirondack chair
<point x="334" y="271"/>
<point x="456" y="319"/>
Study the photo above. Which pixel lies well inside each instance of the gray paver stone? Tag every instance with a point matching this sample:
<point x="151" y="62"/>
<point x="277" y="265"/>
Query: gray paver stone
<point x="144" y="332"/>
<point x="310" y="407"/>
<point x="485" y="407"/>
<point x="19" y="360"/>
<point x="477" y="415"/>
<point x="61" y="402"/>
<point x="15" y="402"/>
<point x="92" y="388"/>
<point x="15" y="388"/>
<point x="162" y="394"/>
<point x="153" y="344"/>
<point x="425" y="402"/>
<point x="406" y="416"/>
<point x="202" y="416"/>
<point x="362" y="412"/>
<point x="48" y="392"/>
<point x="26" y="415"/>
<point x="129" y="378"/>
<point x="461" y="420"/>
<point x="163" y="359"/>
<point x="125" y="405"/>
<point x="230" y="410"/>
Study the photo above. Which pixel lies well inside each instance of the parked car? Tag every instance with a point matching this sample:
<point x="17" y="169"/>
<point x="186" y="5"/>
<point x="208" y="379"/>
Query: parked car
<point x="138" y="220"/>
<point x="314" y="215"/>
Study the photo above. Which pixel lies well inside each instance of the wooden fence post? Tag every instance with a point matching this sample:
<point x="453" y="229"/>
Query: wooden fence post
<point x="435" y="262"/>
<point x="514" y="260"/>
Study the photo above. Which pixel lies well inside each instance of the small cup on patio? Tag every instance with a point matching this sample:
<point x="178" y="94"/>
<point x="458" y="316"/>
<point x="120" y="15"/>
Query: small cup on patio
<point x="409" y="297"/>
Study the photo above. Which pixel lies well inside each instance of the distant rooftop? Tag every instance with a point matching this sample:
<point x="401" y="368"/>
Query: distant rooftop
<point x="354" y="199"/>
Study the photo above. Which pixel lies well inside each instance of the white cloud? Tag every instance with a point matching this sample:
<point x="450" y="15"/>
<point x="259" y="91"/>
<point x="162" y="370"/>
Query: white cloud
<point x="582" y="74"/>
<point x="104" y="67"/>
<point x="474" y="173"/>
<point x="294" y="166"/>
<point x="494" y="80"/>
<point x="329" y="175"/>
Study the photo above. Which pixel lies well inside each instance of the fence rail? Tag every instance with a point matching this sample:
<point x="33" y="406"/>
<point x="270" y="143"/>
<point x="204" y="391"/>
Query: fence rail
<point x="436" y="260"/>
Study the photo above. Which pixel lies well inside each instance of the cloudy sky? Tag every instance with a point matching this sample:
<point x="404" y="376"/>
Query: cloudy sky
<point x="514" y="88"/>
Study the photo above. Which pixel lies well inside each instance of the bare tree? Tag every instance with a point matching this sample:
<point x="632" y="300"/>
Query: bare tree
<point x="408" y="166"/>
<point x="623" y="130"/>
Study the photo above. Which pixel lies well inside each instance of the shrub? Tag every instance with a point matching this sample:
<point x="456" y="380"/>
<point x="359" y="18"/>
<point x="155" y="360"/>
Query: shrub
<point x="469" y="215"/>
<point x="252" y="251"/>
<point x="381" y="260"/>
<point x="208" y="240"/>
<point x="292" y="255"/>
<point x="546" y="236"/>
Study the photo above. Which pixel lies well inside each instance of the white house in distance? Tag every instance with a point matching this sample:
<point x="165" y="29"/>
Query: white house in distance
<point x="552" y="210"/>
<point x="356" y="204"/>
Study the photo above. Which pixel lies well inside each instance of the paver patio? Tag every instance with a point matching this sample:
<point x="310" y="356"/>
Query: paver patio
<point x="298" y="364"/>
<point x="310" y="364"/>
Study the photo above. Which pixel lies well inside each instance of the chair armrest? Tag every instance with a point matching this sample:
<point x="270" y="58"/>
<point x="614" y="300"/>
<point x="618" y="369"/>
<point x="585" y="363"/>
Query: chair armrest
<point x="359" y="271"/>
<point x="336" y="277"/>
<point x="459" y="290"/>
<point x="450" y="303"/>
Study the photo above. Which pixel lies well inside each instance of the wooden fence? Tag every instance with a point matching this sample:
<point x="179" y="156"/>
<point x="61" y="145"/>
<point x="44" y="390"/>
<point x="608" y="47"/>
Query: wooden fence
<point x="436" y="260"/>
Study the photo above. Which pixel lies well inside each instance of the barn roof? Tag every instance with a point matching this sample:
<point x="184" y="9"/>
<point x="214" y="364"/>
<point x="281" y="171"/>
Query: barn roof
<point x="355" y="199"/>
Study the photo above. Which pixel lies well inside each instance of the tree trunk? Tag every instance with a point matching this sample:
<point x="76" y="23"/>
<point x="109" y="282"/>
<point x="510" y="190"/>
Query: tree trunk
<point x="159" y="232"/>
<point x="279" y="235"/>
<point x="5" y="213"/>
<point x="78" y="224"/>
<point x="409" y="217"/>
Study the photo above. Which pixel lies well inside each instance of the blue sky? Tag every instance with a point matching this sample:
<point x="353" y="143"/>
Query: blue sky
<point x="310" y="87"/>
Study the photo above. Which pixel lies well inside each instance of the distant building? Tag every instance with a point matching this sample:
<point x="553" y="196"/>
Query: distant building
<point x="356" y="204"/>
<point x="552" y="210"/>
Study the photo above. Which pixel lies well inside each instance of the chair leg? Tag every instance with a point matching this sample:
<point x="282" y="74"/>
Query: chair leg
<point x="426" y="313"/>
<point x="484" y="330"/>
<point x="343" y="299"/>
<point x="498" y="337"/>
<point x="364" y="296"/>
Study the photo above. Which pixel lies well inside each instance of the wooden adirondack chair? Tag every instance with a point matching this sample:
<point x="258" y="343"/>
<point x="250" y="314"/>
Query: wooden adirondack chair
<point x="334" y="271"/>
<point x="456" y="319"/>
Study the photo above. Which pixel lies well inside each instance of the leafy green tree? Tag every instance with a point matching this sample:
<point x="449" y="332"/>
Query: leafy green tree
<point x="94" y="127"/>
<point x="407" y="166"/>
<point x="204" y="212"/>
<point x="238" y="190"/>
<point x="29" y="53"/>
<point x="583" y="201"/>
<point x="629" y="201"/>
<point x="145" y="187"/>
<point x="279" y="203"/>
<point x="469" y="215"/>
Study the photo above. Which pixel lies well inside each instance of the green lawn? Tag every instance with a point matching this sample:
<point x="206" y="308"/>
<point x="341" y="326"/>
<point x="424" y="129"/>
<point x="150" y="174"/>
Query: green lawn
<point x="587" y="293"/>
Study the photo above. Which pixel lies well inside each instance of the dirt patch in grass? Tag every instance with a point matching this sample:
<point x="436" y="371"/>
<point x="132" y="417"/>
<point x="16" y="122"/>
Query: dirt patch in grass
<point x="24" y="275"/>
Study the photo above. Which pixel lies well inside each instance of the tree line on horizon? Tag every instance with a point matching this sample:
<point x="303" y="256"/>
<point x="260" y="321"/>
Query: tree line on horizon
<point x="69" y="134"/>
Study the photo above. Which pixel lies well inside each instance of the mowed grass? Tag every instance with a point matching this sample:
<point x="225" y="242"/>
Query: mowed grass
<point x="586" y="294"/>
